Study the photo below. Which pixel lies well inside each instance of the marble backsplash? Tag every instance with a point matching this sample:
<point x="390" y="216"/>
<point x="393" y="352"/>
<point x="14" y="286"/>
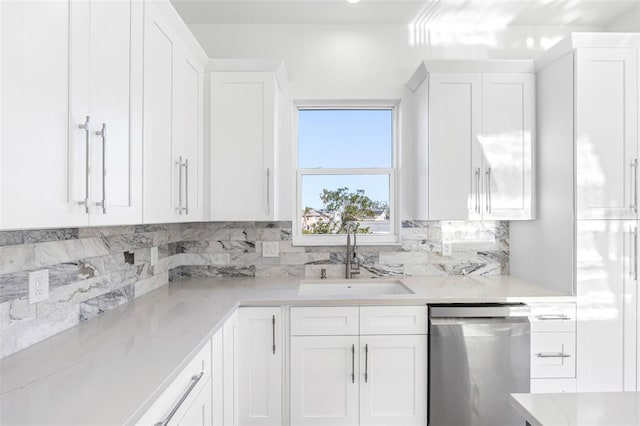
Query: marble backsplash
<point x="94" y="270"/>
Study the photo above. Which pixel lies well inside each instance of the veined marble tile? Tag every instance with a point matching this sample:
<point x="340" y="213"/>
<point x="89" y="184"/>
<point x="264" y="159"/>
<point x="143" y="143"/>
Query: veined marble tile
<point x="194" y="246"/>
<point x="166" y="264"/>
<point x="381" y="270"/>
<point x="279" y="271"/>
<point x="231" y="247"/>
<point x="103" y="231"/>
<point x="269" y="234"/>
<point x="365" y="258"/>
<point x="274" y="225"/>
<point x="333" y="271"/>
<point x="129" y="242"/>
<point x="149" y="284"/>
<point x="429" y="269"/>
<point x="420" y="224"/>
<point x="17" y="258"/>
<point x="242" y="234"/>
<point x="10" y="238"/>
<point x="220" y="271"/>
<point x="404" y="257"/>
<point x="26" y="333"/>
<point x="203" y="234"/>
<point x="16" y="311"/>
<point x="242" y="259"/>
<point x="106" y="302"/>
<point x="215" y="259"/>
<point x="421" y="245"/>
<point x="298" y="258"/>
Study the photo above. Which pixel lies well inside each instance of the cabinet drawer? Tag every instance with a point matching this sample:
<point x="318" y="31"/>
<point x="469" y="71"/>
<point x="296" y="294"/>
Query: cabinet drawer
<point x="553" y="385"/>
<point x="393" y="320"/>
<point x="552" y="317"/>
<point x="324" y="321"/>
<point x="553" y="355"/>
<point x="181" y="385"/>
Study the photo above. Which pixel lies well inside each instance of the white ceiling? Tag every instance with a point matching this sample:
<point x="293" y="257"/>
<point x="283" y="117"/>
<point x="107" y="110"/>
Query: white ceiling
<point x="598" y="13"/>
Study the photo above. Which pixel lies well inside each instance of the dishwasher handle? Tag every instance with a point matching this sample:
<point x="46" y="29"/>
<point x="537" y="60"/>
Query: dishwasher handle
<point x="479" y="311"/>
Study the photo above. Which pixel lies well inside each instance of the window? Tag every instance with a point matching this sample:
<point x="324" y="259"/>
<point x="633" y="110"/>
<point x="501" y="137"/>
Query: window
<point x="346" y="172"/>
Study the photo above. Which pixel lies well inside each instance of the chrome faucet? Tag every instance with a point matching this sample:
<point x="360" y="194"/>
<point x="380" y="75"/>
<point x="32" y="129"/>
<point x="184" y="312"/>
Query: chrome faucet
<point x="352" y="263"/>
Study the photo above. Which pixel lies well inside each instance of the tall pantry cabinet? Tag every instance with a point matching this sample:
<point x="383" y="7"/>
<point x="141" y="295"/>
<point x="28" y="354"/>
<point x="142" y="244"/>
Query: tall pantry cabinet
<point x="71" y="132"/>
<point x="586" y="238"/>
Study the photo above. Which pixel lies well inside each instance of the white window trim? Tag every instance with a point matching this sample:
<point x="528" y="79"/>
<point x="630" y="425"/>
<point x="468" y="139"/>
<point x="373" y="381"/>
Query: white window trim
<point x="339" y="239"/>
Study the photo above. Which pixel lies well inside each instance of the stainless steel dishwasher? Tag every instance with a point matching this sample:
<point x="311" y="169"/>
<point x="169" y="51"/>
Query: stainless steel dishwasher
<point x="478" y="355"/>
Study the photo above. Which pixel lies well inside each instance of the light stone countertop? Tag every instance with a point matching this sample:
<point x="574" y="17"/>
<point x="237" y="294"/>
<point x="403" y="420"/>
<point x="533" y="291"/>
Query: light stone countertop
<point x="109" y="370"/>
<point x="579" y="409"/>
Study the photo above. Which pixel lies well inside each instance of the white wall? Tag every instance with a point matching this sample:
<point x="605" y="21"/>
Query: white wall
<point x="628" y="22"/>
<point x="362" y="62"/>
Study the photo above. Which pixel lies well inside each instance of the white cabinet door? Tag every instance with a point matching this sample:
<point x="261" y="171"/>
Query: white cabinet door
<point x="217" y="378"/>
<point x="507" y="143"/>
<point x="106" y="74"/>
<point x="43" y="169"/>
<point x="324" y="389"/>
<point x="188" y="134"/>
<point x="160" y="168"/>
<point x="260" y="366"/>
<point x="230" y="336"/>
<point x="393" y="380"/>
<point x="199" y="412"/>
<point x="454" y="158"/>
<point x="607" y="309"/>
<point x="173" y="120"/>
<point x="606" y="117"/>
<point x="243" y="135"/>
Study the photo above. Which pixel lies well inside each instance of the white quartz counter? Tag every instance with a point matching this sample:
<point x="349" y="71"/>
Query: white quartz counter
<point x="579" y="409"/>
<point x="109" y="370"/>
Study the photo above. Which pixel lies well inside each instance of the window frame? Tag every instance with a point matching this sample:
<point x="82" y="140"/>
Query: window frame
<point x="393" y="236"/>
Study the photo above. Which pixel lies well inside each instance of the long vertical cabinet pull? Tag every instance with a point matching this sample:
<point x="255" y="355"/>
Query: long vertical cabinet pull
<point x="273" y="332"/>
<point x="353" y="363"/>
<point x="87" y="132"/>
<point x="634" y="166"/>
<point x="186" y="186"/>
<point x="103" y="135"/>
<point x="366" y="363"/>
<point x="488" y="206"/>
<point x="183" y="207"/>
<point x="635" y="253"/>
<point x="478" y="190"/>
<point x="268" y="191"/>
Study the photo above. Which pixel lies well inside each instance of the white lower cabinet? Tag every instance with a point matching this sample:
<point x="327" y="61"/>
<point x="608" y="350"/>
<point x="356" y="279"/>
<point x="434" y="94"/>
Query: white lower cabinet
<point x="260" y="366"/>
<point x="187" y="400"/>
<point x="358" y="379"/>
<point x="553" y="347"/>
<point x="393" y="380"/>
<point x="324" y="380"/>
<point x="230" y="371"/>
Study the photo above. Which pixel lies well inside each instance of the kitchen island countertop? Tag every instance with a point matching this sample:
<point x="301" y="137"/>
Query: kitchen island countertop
<point x="579" y="409"/>
<point x="110" y="369"/>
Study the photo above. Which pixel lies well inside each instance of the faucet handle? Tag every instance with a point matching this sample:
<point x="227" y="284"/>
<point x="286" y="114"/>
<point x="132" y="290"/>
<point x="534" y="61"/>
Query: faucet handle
<point x="323" y="274"/>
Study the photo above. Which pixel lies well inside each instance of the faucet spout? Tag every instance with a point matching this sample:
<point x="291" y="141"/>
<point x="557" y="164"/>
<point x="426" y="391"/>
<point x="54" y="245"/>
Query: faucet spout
<point x="352" y="264"/>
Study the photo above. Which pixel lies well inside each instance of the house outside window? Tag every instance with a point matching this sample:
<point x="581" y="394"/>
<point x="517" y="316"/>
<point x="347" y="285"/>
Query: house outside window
<point x="346" y="166"/>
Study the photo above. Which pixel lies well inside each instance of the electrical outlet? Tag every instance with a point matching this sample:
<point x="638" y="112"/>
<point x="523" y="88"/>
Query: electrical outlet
<point x="38" y="286"/>
<point x="154" y="256"/>
<point x="270" y="249"/>
<point x="447" y="249"/>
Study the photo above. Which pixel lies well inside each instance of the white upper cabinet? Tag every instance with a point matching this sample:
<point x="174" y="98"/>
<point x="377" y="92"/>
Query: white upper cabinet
<point x="478" y="129"/>
<point x="606" y="117"/>
<point x="55" y="173"/>
<point x="260" y="366"/>
<point x="244" y="133"/>
<point x="173" y="118"/>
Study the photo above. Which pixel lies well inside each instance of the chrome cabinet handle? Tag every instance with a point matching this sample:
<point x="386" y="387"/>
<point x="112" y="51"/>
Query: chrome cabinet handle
<point x="182" y="164"/>
<point x="478" y="190"/>
<point x="635" y="254"/>
<point x="85" y="127"/>
<point x="268" y="191"/>
<point x="194" y="381"/>
<point x="551" y="317"/>
<point x="366" y="363"/>
<point x="488" y="206"/>
<point x="353" y="363"/>
<point x="634" y="166"/>
<point x="103" y="135"/>
<point x="552" y="355"/>
<point x="186" y="186"/>
<point x="273" y="332"/>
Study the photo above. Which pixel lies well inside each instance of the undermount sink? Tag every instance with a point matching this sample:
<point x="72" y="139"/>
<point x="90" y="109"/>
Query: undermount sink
<point x="353" y="287"/>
